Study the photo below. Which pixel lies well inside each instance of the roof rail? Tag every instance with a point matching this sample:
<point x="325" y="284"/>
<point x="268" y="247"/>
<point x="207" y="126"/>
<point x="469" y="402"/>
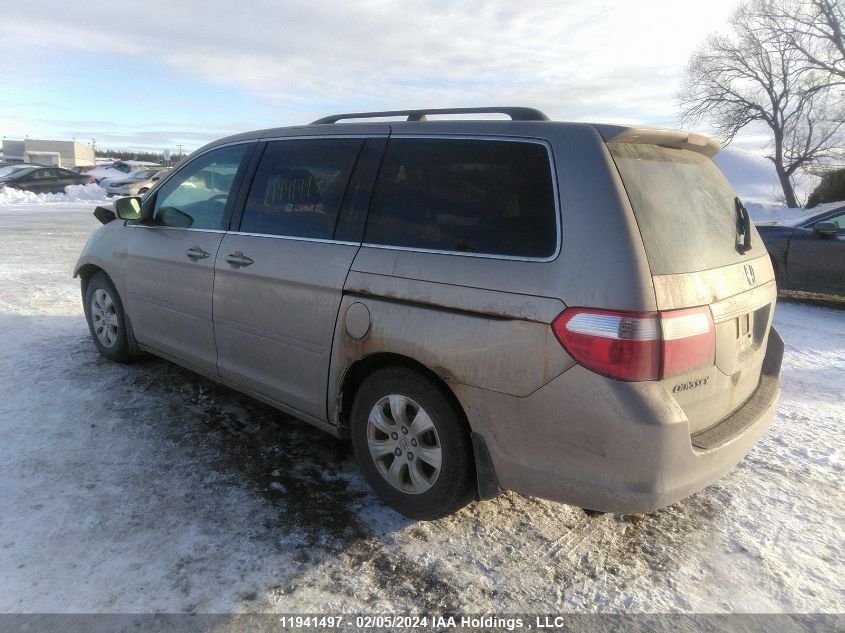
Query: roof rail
<point x="515" y="113"/>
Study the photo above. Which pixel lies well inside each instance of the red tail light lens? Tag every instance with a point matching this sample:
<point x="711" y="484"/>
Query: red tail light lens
<point x="89" y="180"/>
<point x="623" y="345"/>
<point x="637" y="346"/>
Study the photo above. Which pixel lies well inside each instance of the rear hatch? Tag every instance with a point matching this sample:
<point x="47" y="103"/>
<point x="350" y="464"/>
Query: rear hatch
<point x="704" y="253"/>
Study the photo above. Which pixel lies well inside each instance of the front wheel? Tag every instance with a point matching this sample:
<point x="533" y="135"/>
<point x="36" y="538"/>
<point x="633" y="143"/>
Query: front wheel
<point x="411" y="445"/>
<point x="106" y="322"/>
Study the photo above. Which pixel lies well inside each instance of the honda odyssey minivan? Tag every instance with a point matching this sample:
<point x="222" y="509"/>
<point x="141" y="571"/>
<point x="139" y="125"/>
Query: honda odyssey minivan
<point x="574" y="311"/>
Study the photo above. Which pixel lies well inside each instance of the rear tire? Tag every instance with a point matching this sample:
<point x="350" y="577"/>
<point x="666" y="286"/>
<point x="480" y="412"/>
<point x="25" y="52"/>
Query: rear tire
<point x="401" y="411"/>
<point x="106" y="319"/>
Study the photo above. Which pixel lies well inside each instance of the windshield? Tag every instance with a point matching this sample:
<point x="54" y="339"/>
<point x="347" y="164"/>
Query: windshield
<point x="685" y="208"/>
<point x="143" y="175"/>
<point x="10" y="169"/>
<point x="17" y="172"/>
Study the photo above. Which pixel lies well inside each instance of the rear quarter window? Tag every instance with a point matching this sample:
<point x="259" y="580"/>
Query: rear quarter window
<point x="684" y="206"/>
<point x="466" y="196"/>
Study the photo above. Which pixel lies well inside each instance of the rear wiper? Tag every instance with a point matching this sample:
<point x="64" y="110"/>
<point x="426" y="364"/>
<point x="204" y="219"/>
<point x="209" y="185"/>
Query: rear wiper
<point x="743" y="227"/>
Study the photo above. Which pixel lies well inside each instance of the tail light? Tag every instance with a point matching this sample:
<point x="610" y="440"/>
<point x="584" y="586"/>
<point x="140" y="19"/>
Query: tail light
<point x="638" y="345"/>
<point x="689" y="340"/>
<point x="89" y="180"/>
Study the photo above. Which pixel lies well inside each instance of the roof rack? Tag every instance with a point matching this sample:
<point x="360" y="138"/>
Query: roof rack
<point x="515" y="113"/>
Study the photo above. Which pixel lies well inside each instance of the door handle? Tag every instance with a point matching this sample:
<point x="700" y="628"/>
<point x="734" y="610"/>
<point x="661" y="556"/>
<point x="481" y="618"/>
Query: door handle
<point x="195" y="252"/>
<point x="239" y="259"/>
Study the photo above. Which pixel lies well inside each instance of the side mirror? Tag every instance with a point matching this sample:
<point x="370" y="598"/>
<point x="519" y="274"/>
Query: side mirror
<point x="826" y="228"/>
<point x="104" y="215"/>
<point x="128" y="208"/>
<point x="154" y="178"/>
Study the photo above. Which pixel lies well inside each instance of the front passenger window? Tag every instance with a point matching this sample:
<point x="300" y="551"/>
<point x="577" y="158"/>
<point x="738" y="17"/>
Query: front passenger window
<point x="197" y="196"/>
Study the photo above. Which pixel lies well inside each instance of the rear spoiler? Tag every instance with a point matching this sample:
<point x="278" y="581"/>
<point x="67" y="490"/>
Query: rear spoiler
<point x="666" y="138"/>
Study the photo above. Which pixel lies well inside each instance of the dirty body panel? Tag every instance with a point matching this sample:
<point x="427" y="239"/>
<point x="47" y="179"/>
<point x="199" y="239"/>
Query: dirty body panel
<point x="610" y="445"/>
<point x="703" y="250"/>
<point x="555" y="429"/>
<point x="483" y="324"/>
<point x="485" y="321"/>
<point x="742" y="317"/>
<point x="601" y="258"/>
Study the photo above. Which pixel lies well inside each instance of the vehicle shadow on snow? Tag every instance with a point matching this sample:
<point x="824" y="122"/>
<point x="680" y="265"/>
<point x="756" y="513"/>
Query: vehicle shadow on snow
<point x="308" y="479"/>
<point x="308" y="474"/>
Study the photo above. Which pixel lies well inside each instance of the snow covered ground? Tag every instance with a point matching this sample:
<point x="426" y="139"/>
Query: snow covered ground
<point x="135" y="488"/>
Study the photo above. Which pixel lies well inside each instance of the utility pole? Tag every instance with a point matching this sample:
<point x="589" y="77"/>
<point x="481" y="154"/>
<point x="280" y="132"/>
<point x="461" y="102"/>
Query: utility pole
<point x="94" y="148"/>
<point x="180" y="151"/>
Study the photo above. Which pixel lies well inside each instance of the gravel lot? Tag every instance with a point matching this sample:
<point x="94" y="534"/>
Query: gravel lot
<point x="146" y="488"/>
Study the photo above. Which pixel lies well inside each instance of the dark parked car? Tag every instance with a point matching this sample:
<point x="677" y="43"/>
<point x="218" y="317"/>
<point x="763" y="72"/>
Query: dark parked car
<point x="44" y="179"/>
<point x="809" y="254"/>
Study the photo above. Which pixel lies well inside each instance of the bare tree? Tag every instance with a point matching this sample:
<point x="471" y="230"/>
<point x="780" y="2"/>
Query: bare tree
<point x="816" y="29"/>
<point x="756" y="75"/>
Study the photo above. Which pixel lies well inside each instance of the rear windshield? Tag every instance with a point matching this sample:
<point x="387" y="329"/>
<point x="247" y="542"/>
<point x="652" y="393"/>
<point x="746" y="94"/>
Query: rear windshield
<point x="685" y="208"/>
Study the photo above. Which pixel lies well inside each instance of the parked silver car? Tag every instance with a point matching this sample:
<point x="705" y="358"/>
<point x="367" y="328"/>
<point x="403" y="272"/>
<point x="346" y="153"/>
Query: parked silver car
<point x="578" y="312"/>
<point x="135" y="184"/>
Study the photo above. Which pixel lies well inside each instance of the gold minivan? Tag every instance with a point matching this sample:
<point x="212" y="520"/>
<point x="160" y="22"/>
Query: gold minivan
<point x="574" y="311"/>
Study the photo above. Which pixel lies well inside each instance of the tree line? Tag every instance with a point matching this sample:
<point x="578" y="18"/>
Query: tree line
<point x="151" y="157"/>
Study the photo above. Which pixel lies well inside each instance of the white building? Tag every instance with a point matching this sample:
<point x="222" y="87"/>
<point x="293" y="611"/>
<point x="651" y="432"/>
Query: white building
<point x="12" y="151"/>
<point x="59" y="153"/>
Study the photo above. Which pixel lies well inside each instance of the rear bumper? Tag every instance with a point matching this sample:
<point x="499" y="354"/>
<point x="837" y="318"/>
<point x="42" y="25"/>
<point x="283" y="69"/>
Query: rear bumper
<point x="614" y="446"/>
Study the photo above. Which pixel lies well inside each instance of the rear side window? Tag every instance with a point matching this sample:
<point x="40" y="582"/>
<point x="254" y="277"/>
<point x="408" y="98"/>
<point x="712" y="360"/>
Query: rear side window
<point x="467" y="196"/>
<point x="684" y="206"/>
<point x="299" y="186"/>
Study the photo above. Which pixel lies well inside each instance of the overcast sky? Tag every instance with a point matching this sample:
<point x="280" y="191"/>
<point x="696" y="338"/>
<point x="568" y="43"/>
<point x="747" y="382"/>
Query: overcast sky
<point x="151" y="74"/>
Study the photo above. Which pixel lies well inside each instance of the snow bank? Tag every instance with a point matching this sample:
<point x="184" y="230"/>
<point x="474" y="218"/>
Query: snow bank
<point x="105" y="171"/>
<point x="770" y="213"/>
<point x="777" y="214"/>
<point x="755" y="180"/>
<point x="83" y="193"/>
<point x="73" y="193"/>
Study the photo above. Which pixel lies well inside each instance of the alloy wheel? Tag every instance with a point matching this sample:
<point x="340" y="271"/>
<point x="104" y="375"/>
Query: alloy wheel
<point x="104" y="318"/>
<point x="404" y="444"/>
